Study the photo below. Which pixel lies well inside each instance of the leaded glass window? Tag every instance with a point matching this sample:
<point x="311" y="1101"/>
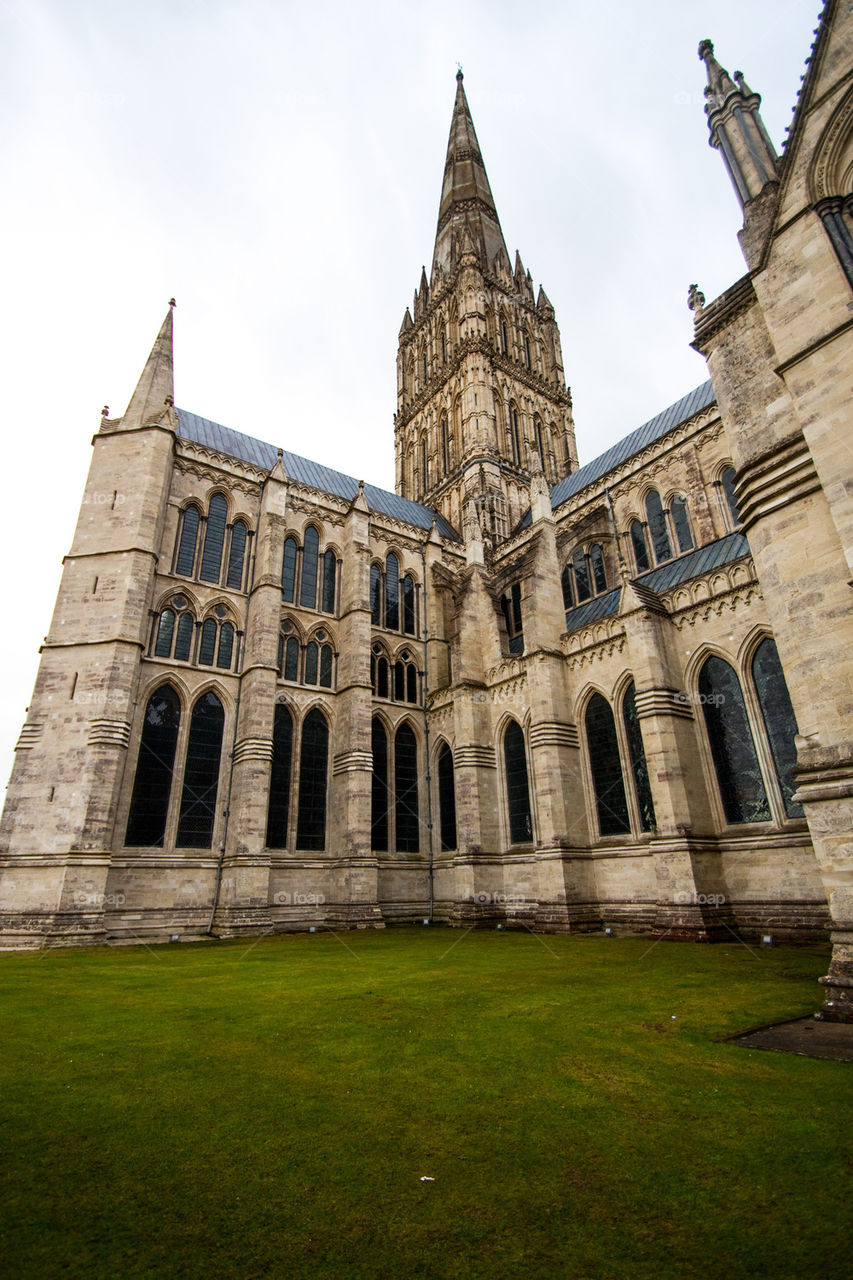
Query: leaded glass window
<point x="185" y="562"/>
<point x="288" y="571"/>
<point x="732" y="747"/>
<point x="184" y="637"/>
<point x="392" y="592"/>
<point x="581" y="568"/>
<point x="382" y="678"/>
<point x="641" y="550"/>
<point x="313" y="772"/>
<point x="517" y="789"/>
<point x="165" y="631"/>
<point x="657" y="527"/>
<point x="312" y="658"/>
<point x="226" y="646"/>
<point x="330" y="566"/>
<point x="566" y="584"/>
<point x="511" y="606"/>
<point x="406" y="790"/>
<point x="310" y="554"/>
<point x="411" y="683"/>
<point x="237" y="556"/>
<point x="606" y="768"/>
<point x="291" y="659"/>
<point x="779" y="720"/>
<point x="207" y="648"/>
<point x="376" y="595"/>
<point x="599" y="577"/>
<point x="279" y="802"/>
<point x="639" y="768"/>
<point x="152" y="785"/>
<point x="409" y="605"/>
<point x="326" y="666"/>
<point x="379" y="799"/>
<point x="727" y="479"/>
<point x="446" y="799"/>
<point x="214" y="539"/>
<point x="399" y="682"/>
<point x="678" y="511"/>
<point x="445" y="454"/>
<point x="201" y="774"/>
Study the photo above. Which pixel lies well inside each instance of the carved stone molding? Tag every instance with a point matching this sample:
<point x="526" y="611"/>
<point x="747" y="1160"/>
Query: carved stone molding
<point x="109" y="733"/>
<point x="663" y="702"/>
<point x="253" y="749"/>
<point x="777" y="481"/>
<point x="29" y="735"/>
<point x="352" y="762"/>
<point x="474" y="755"/>
<point x="554" y="734"/>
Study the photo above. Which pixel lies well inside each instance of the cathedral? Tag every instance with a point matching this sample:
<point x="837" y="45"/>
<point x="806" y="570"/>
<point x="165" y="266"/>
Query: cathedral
<point x="523" y="689"/>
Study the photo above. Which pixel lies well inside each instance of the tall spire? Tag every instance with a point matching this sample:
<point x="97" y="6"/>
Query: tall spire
<point x="155" y="390"/>
<point x="737" y="129"/>
<point x="466" y="197"/>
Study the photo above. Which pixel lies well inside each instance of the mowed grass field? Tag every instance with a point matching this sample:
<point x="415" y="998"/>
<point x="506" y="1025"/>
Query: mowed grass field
<point x="269" y="1107"/>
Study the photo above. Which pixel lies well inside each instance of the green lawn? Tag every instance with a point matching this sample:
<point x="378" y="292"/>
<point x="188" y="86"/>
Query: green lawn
<point x="268" y="1108"/>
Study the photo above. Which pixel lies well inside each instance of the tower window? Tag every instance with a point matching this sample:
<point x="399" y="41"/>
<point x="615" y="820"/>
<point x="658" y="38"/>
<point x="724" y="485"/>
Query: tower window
<point x="214" y="539"/>
<point x="152" y="785"/>
<point x="606" y="768"/>
<point x="681" y="524"/>
<point x="313" y="774"/>
<point x="657" y="527"/>
<point x="406" y="818"/>
<point x="379" y="795"/>
<point x="511" y="608"/>
<point x="279" y="800"/>
<point x="185" y="560"/>
<point x="236" y="556"/>
<point x="639" y="546"/>
<point x="446" y="799"/>
<point x="727" y="480"/>
<point x="201" y="774"/>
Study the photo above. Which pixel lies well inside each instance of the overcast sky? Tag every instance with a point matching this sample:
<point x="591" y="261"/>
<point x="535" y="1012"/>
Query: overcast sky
<point x="276" y="166"/>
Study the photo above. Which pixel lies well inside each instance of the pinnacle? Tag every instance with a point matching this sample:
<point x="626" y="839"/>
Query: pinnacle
<point x="155" y="391"/>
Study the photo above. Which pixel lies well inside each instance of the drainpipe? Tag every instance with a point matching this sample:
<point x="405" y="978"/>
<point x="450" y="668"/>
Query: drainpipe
<point x="430" y="832"/>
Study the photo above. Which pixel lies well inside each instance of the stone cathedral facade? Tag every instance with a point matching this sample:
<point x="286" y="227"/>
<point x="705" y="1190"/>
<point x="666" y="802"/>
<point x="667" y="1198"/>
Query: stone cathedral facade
<point x="518" y="690"/>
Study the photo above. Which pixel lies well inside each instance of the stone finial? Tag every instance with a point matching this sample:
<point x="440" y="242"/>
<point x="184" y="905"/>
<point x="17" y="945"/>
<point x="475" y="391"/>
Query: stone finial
<point x="695" y="298"/>
<point x="279" y="453"/>
<point x="105" y="412"/>
<point x="172" y="302"/>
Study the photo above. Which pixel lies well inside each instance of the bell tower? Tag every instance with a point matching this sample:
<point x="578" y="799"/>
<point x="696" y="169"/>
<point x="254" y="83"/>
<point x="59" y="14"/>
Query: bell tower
<point x="481" y="392"/>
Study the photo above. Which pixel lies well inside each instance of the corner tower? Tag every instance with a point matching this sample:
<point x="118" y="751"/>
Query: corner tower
<point x="481" y="392"/>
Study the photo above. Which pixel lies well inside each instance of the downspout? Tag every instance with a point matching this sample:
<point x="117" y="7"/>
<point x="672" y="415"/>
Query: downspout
<point x="430" y="832"/>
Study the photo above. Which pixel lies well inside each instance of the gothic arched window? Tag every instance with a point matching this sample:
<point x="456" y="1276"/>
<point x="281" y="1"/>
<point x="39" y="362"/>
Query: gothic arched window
<point x="185" y="559"/>
<point x="379" y="801"/>
<point x="779" y="721"/>
<point x="279" y="801"/>
<point x="330" y="567"/>
<point x="733" y="751"/>
<point x="445" y="452"/>
<point x="392" y="592"/>
<point x="312" y="660"/>
<point x="165" y="632"/>
<point x="581" y="568"/>
<point x="288" y="570"/>
<point x="727" y="480"/>
<point x="641" y="550"/>
<point x="376" y="595"/>
<point x="236" y="556"/>
<point x="409" y="605"/>
<point x="606" y="768"/>
<point x="515" y="435"/>
<point x="681" y="524"/>
<point x="636" y="752"/>
<point x="310" y="553"/>
<point x="226" y="646"/>
<point x="207" y="647"/>
<point x="184" y="633"/>
<point x="657" y="527"/>
<point x="566" y="584"/>
<point x="201" y="774"/>
<point x="599" y="577"/>
<point x="406" y="790"/>
<point x="446" y="799"/>
<point x="152" y="785"/>
<point x="517" y="789"/>
<point x="214" y="539"/>
<point x="313" y="772"/>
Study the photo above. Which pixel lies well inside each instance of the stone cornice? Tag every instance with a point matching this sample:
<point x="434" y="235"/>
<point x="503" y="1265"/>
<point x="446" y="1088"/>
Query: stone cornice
<point x="776" y="480"/>
<point x="738" y="298"/>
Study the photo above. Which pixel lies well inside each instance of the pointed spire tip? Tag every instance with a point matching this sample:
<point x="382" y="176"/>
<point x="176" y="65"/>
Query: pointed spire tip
<point x="172" y="302"/>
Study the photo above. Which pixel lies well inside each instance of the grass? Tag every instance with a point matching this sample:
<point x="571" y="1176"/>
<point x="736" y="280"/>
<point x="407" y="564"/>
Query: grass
<point x="268" y="1108"/>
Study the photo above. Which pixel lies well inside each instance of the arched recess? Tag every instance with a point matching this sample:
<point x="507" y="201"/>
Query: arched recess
<point x="517" y="783"/>
<point x="201" y="773"/>
<point x="155" y="766"/>
<point x="605" y="765"/>
<point x="313" y="778"/>
<point x="446" y="798"/>
<point x="278" y="810"/>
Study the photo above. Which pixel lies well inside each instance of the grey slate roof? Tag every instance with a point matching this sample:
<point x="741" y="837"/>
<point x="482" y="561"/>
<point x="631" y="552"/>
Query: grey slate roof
<point x="691" y="565"/>
<point x="723" y="551"/>
<point x="237" y="445"/>
<point x="633" y="443"/>
<point x="592" y="610"/>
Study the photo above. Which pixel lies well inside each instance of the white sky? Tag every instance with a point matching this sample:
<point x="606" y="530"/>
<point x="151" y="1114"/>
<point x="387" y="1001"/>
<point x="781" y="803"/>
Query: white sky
<point x="277" y="168"/>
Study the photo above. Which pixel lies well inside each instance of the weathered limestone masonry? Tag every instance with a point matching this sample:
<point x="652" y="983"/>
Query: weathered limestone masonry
<point x="779" y="345"/>
<point x="515" y="691"/>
